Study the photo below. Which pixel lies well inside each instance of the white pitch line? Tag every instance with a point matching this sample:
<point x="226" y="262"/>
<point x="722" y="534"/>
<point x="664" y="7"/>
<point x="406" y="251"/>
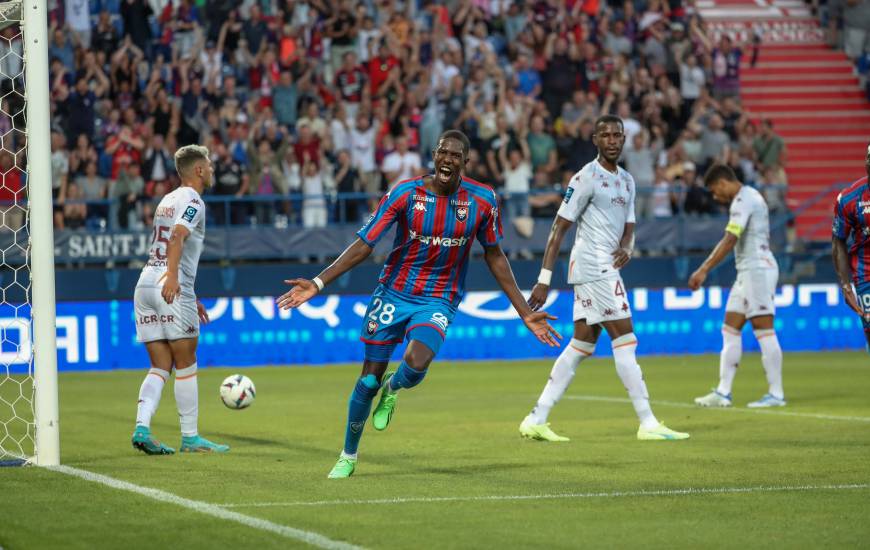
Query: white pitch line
<point x="309" y="537"/>
<point x="729" y="409"/>
<point x="691" y="491"/>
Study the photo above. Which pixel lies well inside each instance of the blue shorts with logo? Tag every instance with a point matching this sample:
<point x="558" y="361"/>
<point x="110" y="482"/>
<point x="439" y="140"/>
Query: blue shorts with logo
<point x="392" y="317"/>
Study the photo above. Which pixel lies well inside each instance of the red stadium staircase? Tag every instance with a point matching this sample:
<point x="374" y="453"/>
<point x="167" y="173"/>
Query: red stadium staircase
<point x="812" y="95"/>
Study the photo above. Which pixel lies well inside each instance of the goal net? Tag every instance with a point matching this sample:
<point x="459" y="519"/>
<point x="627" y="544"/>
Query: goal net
<point x="16" y="357"/>
<point x="25" y="220"/>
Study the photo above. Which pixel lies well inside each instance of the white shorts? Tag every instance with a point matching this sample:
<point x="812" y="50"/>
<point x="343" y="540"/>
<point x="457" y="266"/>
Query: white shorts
<point x="157" y="320"/>
<point x="601" y="300"/>
<point x="753" y="292"/>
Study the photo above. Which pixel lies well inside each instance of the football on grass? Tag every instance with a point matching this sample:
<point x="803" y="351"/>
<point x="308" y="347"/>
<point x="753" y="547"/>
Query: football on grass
<point x="238" y="392"/>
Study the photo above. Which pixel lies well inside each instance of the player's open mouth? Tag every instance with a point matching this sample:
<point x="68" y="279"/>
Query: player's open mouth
<point x="445" y="172"/>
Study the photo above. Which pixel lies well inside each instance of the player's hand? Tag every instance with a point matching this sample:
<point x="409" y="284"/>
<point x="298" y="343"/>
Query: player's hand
<point x="697" y="279"/>
<point x="203" y="314"/>
<point x="171" y="288"/>
<point x="537" y="323"/>
<point x="621" y="257"/>
<point x="302" y="291"/>
<point x="539" y="296"/>
<point x="852" y="300"/>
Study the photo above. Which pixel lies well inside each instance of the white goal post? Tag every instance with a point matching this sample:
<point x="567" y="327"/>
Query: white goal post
<point x="45" y="409"/>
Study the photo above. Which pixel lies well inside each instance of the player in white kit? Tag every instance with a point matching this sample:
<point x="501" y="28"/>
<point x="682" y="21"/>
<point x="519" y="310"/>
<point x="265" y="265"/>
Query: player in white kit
<point x="751" y="298"/>
<point x="167" y="311"/>
<point x="600" y="198"/>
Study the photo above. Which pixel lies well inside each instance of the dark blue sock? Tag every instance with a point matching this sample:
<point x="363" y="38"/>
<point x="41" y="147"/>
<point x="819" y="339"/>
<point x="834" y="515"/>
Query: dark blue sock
<point x="406" y="377"/>
<point x="358" y="410"/>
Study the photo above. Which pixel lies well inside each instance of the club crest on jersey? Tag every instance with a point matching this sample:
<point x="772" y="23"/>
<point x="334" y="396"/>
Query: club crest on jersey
<point x="461" y="213"/>
<point x="568" y="194"/>
<point x="189" y="214"/>
<point x="371" y="327"/>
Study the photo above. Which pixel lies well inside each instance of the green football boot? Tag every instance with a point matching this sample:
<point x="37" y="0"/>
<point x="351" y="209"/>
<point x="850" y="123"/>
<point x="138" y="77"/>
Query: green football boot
<point x="386" y="406"/>
<point x="343" y="468"/>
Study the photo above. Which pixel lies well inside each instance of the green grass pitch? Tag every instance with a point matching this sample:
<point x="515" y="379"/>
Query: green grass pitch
<point x="453" y="440"/>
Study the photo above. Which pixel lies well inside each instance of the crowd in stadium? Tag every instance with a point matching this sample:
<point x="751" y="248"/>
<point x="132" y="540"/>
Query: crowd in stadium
<point x="308" y="99"/>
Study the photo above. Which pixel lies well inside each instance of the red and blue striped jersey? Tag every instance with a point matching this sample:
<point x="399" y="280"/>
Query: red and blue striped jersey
<point x="433" y="236"/>
<point x="852" y="224"/>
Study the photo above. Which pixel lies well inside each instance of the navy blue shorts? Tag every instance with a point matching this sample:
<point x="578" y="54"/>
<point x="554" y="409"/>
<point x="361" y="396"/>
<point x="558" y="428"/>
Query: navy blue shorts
<point x="393" y="317"/>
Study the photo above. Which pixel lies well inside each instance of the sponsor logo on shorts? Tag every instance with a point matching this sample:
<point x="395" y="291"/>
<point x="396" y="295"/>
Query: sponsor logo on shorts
<point x="371" y="327"/>
<point x="461" y="213"/>
<point x="148" y="319"/>
<point x="609" y="312"/>
<point x="189" y="214"/>
<point x="190" y="330"/>
<point x="624" y="306"/>
<point x="441" y="320"/>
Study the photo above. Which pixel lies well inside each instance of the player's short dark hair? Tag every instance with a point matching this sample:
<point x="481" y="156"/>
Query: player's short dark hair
<point x="458" y="136"/>
<point x="719" y="172"/>
<point x="608" y="119"/>
<point x="189" y="155"/>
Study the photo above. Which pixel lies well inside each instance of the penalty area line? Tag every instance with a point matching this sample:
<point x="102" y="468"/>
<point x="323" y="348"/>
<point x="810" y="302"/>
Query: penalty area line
<point x="690" y="491"/>
<point x="308" y="537"/>
<point x="772" y="412"/>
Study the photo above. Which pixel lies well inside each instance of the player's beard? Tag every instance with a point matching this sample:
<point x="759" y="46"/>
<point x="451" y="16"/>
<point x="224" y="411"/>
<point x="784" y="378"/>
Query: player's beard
<point x="611" y="159"/>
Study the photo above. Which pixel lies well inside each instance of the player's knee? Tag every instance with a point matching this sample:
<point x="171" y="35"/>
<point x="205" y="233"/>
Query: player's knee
<point x="418" y="357"/>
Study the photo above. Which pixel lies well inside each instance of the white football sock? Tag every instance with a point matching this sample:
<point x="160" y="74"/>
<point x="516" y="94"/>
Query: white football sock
<point x="629" y="372"/>
<point x="771" y="358"/>
<point x="560" y="378"/>
<point x="729" y="359"/>
<point x="187" y="399"/>
<point x="149" y="395"/>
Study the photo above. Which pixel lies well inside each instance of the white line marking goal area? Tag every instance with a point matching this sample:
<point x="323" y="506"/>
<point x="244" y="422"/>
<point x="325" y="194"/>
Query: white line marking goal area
<point x="691" y="491"/>
<point x="772" y="412"/>
<point x="308" y="537"/>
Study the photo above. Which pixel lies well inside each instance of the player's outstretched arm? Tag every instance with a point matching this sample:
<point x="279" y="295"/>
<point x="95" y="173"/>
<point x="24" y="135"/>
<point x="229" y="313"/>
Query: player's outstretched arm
<point x="551" y="254"/>
<point x="305" y="289"/>
<point x="535" y="321"/>
<point x="840" y="255"/>
<point x="171" y="287"/>
<point x="722" y="250"/>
